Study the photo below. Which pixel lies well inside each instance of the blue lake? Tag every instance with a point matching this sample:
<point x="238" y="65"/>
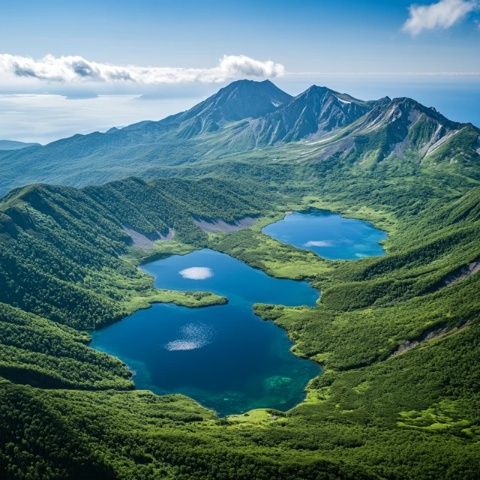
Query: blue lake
<point x="328" y="234"/>
<point x="224" y="356"/>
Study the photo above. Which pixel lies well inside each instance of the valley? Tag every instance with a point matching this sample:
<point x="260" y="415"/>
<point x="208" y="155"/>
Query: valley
<point x="69" y="271"/>
<point x="234" y="363"/>
<point x="225" y="357"/>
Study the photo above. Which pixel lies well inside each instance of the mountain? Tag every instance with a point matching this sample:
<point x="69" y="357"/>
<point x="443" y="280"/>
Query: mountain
<point x="314" y="112"/>
<point x="239" y="100"/>
<point x="100" y="157"/>
<point x="406" y="124"/>
<point x="403" y="129"/>
<point x="14" y="145"/>
<point x="382" y="325"/>
<point x="239" y="118"/>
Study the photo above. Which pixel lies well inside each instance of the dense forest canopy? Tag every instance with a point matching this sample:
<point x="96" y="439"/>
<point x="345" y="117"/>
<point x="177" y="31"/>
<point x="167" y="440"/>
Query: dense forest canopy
<point x="397" y="336"/>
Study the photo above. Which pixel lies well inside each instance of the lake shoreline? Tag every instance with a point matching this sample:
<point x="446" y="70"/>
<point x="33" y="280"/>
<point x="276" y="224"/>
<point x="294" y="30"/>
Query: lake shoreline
<point x="185" y="273"/>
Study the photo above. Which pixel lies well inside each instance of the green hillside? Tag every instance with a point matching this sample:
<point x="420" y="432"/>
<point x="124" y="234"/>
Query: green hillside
<point x="62" y="247"/>
<point x="397" y="336"/>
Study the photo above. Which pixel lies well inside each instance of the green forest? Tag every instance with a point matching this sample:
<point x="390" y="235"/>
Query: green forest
<point x="397" y="336"/>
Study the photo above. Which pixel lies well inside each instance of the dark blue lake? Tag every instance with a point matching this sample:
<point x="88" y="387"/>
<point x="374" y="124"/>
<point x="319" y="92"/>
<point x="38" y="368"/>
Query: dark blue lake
<point x="328" y="234"/>
<point x="224" y="356"/>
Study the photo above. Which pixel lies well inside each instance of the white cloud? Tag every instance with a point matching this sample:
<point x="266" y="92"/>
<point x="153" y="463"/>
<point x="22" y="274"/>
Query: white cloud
<point x="78" y="70"/>
<point x="196" y="273"/>
<point x="442" y="14"/>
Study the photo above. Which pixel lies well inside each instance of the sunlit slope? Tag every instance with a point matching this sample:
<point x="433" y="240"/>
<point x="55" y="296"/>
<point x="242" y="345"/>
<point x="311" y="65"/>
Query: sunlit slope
<point x="397" y="335"/>
<point x="244" y="117"/>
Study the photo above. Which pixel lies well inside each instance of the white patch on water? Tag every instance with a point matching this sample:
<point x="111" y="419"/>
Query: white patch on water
<point x="193" y="337"/>
<point x="361" y="255"/>
<point x="319" y="243"/>
<point x="196" y="273"/>
<point x="179" y="345"/>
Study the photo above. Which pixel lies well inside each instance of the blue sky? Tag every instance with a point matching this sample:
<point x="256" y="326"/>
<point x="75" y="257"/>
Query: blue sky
<point x="304" y="35"/>
<point x="360" y="46"/>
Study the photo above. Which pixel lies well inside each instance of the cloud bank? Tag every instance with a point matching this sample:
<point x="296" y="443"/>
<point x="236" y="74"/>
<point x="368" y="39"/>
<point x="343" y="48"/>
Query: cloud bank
<point x="47" y="117"/>
<point x="76" y="69"/>
<point x="443" y="14"/>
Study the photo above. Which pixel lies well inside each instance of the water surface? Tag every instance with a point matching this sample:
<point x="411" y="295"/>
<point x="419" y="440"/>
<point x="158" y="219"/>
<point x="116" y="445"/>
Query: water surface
<point x="223" y="356"/>
<point x="328" y="234"/>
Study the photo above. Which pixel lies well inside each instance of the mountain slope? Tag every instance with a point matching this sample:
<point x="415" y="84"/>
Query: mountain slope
<point x="240" y="118"/>
<point x="60" y="245"/>
<point x="403" y="132"/>
<point x="405" y="124"/>
<point x="14" y="145"/>
<point x="239" y="100"/>
<point x="361" y="419"/>
<point x="316" y="111"/>
<point x="100" y="157"/>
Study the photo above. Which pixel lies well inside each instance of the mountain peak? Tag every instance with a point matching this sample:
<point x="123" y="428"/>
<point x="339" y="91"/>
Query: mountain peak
<point x="238" y="100"/>
<point x="318" y="89"/>
<point x="402" y="125"/>
<point x="315" y="111"/>
<point x="248" y="82"/>
<point x="410" y="111"/>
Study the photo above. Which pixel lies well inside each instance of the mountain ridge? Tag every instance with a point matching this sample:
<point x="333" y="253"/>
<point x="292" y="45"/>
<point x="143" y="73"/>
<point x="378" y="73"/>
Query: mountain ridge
<point x="67" y="267"/>
<point x="317" y="110"/>
<point x="8" y="145"/>
<point x="244" y="116"/>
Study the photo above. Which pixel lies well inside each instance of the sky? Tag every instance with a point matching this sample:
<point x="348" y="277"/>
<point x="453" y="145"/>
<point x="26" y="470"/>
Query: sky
<point x="74" y="67"/>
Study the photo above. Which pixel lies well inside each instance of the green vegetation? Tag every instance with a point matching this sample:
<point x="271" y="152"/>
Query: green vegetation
<point x="398" y="336"/>
<point x="185" y="299"/>
<point x="275" y="258"/>
<point x="62" y="249"/>
<point x="378" y="410"/>
<point x="41" y="353"/>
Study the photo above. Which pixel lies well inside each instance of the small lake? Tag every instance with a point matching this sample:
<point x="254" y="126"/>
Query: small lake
<point x="224" y="356"/>
<point x="328" y="234"/>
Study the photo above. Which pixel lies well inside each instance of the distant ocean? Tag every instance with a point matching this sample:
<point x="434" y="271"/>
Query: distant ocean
<point x="458" y="98"/>
<point x="457" y="101"/>
<point x="44" y="118"/>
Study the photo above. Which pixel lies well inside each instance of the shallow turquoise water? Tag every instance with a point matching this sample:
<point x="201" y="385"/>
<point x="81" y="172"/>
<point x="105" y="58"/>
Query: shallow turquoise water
<point x="328" y="234"/>
<point x="223" y="356"/>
